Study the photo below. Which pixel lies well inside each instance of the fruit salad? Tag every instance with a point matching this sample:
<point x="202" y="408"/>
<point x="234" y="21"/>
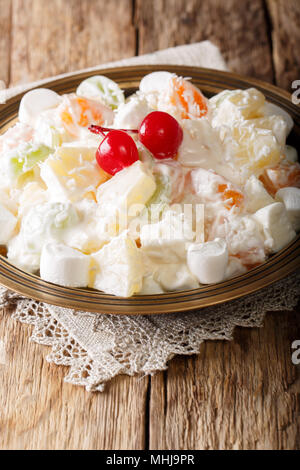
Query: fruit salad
<point x="165" y="190"/>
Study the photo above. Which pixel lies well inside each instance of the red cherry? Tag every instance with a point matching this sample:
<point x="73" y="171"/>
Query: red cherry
<point x="161" y="134"/>
<point x="116" y="151"/>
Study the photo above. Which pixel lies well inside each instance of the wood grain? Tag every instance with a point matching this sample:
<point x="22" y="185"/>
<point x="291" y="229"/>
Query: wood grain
<point x="243" y="394"/>
<point x="52" y="37"/>
<point x="238" y="27"/>
<point x="39" y="411"/>
<point x="285" y="20"/>
<point x="5" y="40"/>
<point x="238" y="395"/>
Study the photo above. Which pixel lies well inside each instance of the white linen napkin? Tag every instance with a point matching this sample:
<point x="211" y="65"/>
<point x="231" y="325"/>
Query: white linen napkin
<point x="201" y="54"/>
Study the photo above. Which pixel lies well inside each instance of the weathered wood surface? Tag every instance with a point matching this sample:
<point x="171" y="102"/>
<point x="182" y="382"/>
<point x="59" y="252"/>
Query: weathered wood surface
<point x="285" y="22"/>
<point x="239" y="28"/>
<point x="5" y="40"/>
<point x="39" y="411"/>
<point x="239" y="395"/>
<point x="50" y="37"/>
<point x="242" y="394"/>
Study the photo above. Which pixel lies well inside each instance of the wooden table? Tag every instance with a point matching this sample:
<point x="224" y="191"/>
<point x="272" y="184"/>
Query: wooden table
<point x="243" y="394"/>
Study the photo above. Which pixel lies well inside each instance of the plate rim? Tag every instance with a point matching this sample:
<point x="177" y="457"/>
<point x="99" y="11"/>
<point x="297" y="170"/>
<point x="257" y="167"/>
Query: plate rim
<point x="154" y="304"/>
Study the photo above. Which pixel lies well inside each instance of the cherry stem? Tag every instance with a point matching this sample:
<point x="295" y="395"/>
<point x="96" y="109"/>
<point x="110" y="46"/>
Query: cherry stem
<point x="101" y="130"/>
<point x="96" y="130"/>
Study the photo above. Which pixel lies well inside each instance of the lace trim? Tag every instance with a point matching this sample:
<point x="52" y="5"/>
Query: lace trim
<point x="98" y="347"/>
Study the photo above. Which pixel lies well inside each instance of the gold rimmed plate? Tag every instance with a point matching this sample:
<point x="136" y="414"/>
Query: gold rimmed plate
<point x="275" y="268"/>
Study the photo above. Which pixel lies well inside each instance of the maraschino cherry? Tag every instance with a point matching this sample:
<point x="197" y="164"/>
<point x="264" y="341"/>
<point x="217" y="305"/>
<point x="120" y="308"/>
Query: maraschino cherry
<point x="116" y="151"/>
<point x="159" y="132"/>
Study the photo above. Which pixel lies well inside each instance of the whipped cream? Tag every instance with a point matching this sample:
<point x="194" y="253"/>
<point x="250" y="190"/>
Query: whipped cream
<point x="228" y="200"/>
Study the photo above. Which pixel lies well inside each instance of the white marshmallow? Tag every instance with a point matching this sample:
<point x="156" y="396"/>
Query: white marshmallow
<point x="65" y="266"/>
<point x="208" y="261"/>
<point x="36" y="101"/>
<point x="131" y="114"/>
<point x="291" y="199"/>
<point x="276" y="226"/>
<point x="155" y="82"/>
<point x="8" y="224"/>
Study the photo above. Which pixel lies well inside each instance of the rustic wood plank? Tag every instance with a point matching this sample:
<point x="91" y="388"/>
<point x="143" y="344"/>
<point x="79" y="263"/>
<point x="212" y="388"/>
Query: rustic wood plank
<point x="234" y="395"/>
<point x="39" y="411"/>
<point x="5" y="39"/>
<point x="238" y="28"/>
<point x="61" y="36"/>
<point x="243" y="394"/>
<point x="285" y="20"/>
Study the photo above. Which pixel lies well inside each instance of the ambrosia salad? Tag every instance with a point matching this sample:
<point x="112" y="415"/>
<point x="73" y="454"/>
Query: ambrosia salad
<point x="163" y="191"/>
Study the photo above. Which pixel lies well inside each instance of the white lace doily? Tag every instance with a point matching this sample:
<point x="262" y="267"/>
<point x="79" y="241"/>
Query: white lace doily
<point x="99" y="347"/>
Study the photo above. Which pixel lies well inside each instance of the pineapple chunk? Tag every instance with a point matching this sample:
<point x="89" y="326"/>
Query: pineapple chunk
<point x="248" y="101"/>
<point x="131" y="186"/>
<point x="236" y="105"/>
<point x="118" y="268"/>
<point x="72" y="174"/>
<point x="255" y="148"/>
<point x="276" y="124"/>
<point x="73" y="150"/>
<point x="257" y="195"/>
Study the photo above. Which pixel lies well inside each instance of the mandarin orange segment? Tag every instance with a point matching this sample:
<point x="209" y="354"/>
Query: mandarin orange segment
<point x="97" y="116"/>
<point x="222" y="188"/>
<point x="84" y="108"/>
<point x="84" y="113"/>
<point x="188" y="97"/>
<point x="231" y="196"/>
<point x="83" y="121"/>
<point x="66" y="117"/>
<point x="281" y="176"/>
